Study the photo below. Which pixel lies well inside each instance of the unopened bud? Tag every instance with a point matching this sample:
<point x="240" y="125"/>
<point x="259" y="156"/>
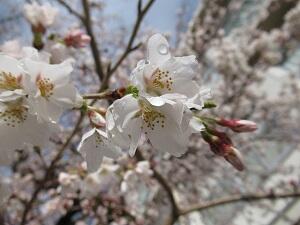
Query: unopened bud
<point x="221" y="145"/>
<point x="238" y="125"/>
<point x="96" y="119"/>
<point x="218" y="141"/>
<point x="77" y="39"/>
<point x="234" y="157"/>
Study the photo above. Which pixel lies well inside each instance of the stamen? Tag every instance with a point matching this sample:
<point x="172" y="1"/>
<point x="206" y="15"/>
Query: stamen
<point x="151" y="117"/>
<point x="98" y="140"/>
<point x="9" y="82"/>
<point x="161" y="80"/>
<point x="14" y="116"/>
<point x="45" y="86"/>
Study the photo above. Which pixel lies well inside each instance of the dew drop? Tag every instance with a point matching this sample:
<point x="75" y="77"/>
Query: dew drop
<point x="163" y="49"/>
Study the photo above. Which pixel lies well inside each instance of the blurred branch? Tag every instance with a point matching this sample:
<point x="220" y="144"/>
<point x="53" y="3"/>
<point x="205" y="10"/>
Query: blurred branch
<point x="239" y="198"/>
<point x="40" y="186"/>
<point x="277" y="11"/>
<point x="164" y="183"/>
<point x="141" y="12"/>
<point x="94" y="46"/>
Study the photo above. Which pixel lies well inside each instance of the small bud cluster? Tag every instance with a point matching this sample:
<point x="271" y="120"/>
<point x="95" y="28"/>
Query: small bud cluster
<point x="220" y="143"/>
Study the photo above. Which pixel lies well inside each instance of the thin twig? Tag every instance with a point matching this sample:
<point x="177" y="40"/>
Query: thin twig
<point x="140" y="16"/>
<point x="71" y="10"/>
<point x="101" y="95"/>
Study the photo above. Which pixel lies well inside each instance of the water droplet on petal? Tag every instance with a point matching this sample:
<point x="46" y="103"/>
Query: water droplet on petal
<point x="163" y="49"/>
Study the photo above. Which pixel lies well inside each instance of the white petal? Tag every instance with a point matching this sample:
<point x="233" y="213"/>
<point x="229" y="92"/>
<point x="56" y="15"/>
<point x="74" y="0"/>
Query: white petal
<point x="59" y="74"/>
<point x="9" y="64"/>
<point x="172" y="135"/>
<point x="14" y="135"/>
<point x="90" y="152"/>
<point x="158" y="49"/>
<point x="66" y="96"/>
<point x="123" y="126"/>
<point x="94" y="146"/>
<point x="196" y="126"/>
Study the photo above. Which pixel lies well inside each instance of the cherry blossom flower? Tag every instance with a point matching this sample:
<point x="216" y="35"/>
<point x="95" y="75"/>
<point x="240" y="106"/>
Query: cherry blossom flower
<point x="94" y="146"/>
<point x="162" y="74"/>
<point x="19" y="127"/>
<point x="11" y="75"/>
<point x="40" y="16"/>
<point x="49" y="88"/>
<point x="167" y="126"/>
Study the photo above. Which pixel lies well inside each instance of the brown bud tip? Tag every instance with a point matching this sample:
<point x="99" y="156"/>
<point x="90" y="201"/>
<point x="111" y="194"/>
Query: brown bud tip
<point x="234" y="157"/>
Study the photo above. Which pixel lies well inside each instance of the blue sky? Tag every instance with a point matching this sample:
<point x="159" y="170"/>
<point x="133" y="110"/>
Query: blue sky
<point x="161" y="16"/>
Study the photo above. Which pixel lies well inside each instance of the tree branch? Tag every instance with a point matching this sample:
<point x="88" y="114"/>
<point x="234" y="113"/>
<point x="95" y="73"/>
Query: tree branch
<point x="140" y="16"/>
<point x="94" y="46"/>
<point x="239" y="198"/>
<point x="49" y="171"/>
<point x="164" y="183"/>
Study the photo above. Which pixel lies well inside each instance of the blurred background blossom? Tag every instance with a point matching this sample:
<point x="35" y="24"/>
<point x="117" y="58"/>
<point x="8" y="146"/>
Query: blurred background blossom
<point x="249" y="54"/>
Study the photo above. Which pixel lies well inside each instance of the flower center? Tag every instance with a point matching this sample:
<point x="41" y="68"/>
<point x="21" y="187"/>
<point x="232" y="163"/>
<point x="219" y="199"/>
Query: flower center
<point x="150" y="116"/>
<point x="45" y="86"/>
<point x="14" y="116"/>
<point x="9" y="82"/>
<point x="98" y="140"/>
<point x="160" y="80"/>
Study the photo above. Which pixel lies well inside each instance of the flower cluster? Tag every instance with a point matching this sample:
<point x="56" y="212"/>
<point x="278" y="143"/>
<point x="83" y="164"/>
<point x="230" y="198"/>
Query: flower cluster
<point x="33" y="95"/>
<point x="162" y="105"/>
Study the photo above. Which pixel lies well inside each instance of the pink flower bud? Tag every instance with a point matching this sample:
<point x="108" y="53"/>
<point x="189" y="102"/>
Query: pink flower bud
<point x="77" y="39"/>
<point x="238" y="125"/>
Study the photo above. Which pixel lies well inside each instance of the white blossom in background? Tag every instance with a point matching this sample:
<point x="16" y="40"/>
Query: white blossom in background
<point x="70" y="183"/>
<point x="138" y="189"/>
<point x="161" y="74"/>
<point x="143" y="167"/>
<point x="12" y="48"/>
<point x="167" y="126"/>
<point x="101" y="181"/>
<point x="5" y="189"/>
<point x="40" y="15"/>
<point x="49" y="88"/>
<point x="94" y="146"/>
